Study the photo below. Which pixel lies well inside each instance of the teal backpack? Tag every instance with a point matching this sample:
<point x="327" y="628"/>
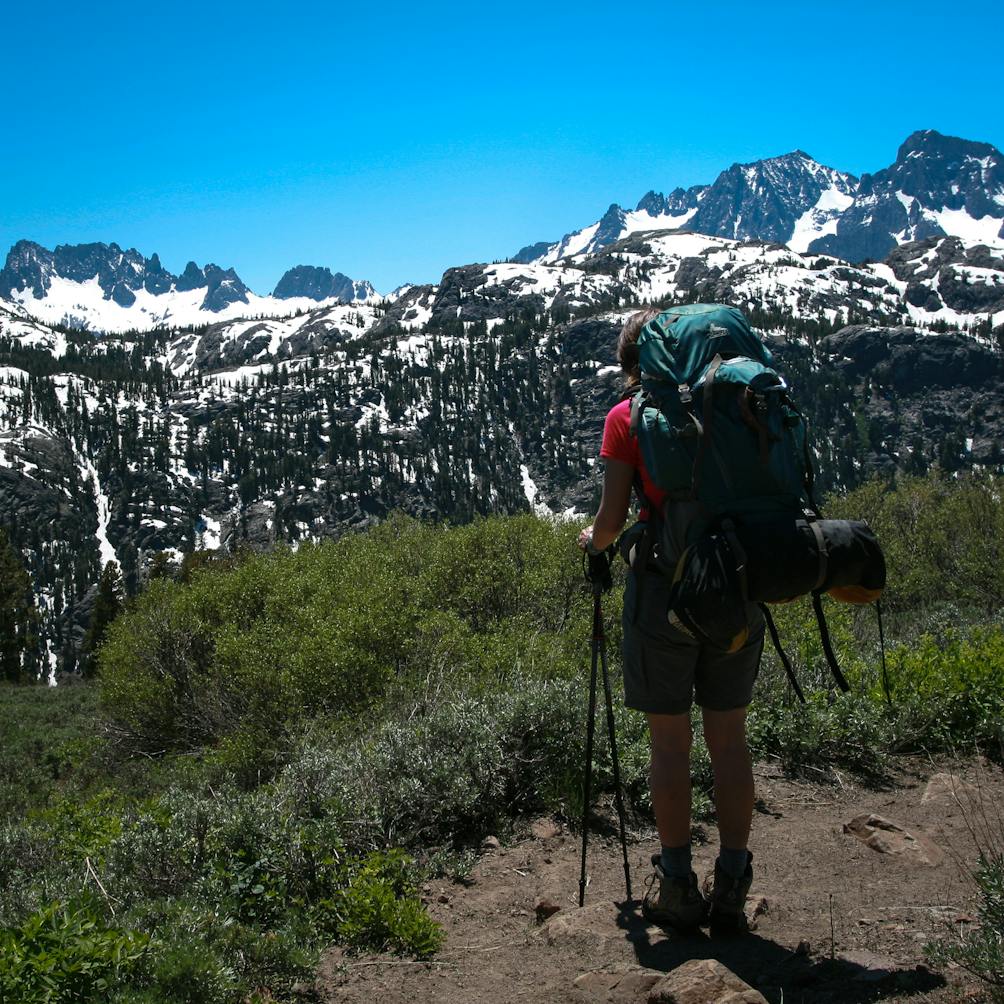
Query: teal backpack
<point x="719" y="432"/>
<point x="714" y="420"/>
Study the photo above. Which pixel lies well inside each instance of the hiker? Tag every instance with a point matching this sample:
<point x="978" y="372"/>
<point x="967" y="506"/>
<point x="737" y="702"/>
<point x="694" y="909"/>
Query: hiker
<point x="664" y="668"/>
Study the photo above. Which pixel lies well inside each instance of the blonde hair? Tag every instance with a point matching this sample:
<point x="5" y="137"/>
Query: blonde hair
<point x="627" y="344"/>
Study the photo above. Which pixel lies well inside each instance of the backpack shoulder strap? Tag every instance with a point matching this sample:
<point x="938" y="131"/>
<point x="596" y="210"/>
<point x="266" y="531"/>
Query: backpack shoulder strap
<point x="637" y="403"/>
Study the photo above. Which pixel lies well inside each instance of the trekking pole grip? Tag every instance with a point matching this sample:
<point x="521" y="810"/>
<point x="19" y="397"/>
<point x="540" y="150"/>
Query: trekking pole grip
<point x="597" y="570"/>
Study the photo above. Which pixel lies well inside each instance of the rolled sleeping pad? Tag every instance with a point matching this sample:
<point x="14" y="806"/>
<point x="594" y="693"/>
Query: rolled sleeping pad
<point x="787" y="558"/>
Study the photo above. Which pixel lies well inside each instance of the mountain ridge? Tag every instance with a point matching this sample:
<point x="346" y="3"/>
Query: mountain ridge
<point x="104" y="287"/>
<point x="795" y="200"/>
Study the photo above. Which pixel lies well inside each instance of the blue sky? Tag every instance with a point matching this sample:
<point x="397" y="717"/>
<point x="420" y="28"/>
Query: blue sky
<point x="391" y="140"/>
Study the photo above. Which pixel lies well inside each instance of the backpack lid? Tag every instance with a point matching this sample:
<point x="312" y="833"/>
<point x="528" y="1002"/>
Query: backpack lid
<point x="677" y="345"/>
<point x="744" y="372"/>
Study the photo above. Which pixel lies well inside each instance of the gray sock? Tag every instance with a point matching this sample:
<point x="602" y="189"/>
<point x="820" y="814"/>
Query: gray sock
<point x="676" y="861"/>
<point x="733" y="862"/>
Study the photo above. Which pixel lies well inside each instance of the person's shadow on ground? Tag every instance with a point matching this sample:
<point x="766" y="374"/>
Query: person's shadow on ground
<point x="780" y="974"/>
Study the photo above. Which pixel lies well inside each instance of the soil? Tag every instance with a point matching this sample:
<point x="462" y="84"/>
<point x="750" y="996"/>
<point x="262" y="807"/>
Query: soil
<point x="838" y="920"/>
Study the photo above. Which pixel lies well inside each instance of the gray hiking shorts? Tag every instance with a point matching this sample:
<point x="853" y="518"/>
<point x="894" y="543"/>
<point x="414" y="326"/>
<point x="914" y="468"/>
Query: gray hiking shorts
<point x="664" y="667"/>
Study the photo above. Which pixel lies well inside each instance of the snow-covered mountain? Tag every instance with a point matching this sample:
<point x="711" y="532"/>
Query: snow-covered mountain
<point x="938" y="186"/>
<point x="484" y="392"/>
<point x="100" y="287"/>
<point x="654" y="212"/>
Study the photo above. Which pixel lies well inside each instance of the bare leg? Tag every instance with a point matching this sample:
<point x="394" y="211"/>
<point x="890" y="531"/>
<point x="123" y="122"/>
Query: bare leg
<point x="725" y="734"/>
<point x="670" y="777"/>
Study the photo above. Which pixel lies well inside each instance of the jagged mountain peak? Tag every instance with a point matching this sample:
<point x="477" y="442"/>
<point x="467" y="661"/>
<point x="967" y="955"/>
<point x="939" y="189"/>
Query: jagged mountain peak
<point x="105" y="288"/>
<point x="931" y="143"/>
<point x="938" y="185"/>
<point x="320" y="283"/>
<point x="775" y="199"/>
<point x="676" y="203"/>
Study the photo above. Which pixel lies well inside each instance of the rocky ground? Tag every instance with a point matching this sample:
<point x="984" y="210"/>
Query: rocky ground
<point x="851" y="880"/>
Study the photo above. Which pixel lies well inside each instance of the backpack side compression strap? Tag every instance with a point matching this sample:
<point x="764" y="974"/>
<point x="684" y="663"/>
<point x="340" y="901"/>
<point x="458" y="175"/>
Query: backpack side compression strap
<point x="824" y="636"/>
<point x="637" y="403"/>
<point x="781" y="654"/>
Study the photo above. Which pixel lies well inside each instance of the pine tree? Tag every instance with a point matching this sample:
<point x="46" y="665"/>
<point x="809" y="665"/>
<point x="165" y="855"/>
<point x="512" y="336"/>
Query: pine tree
<point x="161" y="567"/>
<point x="107" y="605"/>
<point x="18" y="618"/>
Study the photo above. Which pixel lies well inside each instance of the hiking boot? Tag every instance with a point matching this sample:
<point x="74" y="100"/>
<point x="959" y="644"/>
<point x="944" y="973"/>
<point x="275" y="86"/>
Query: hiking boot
<point x="674" y="902"/>
<point x="727" y="900"/>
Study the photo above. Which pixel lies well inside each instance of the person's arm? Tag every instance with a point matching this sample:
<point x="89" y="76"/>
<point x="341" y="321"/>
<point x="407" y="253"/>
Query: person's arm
<point x="618" y="479"/>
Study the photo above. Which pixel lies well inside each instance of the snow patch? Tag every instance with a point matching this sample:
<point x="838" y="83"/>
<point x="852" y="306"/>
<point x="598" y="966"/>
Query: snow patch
<point x="531" y="491"/>
<point x="820" y="220"/>
<point x="959" y="223"/>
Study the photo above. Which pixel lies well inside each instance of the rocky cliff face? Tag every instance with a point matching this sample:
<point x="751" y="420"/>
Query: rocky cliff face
<point x="944" y="272"/>
<point x="320" y="284"/>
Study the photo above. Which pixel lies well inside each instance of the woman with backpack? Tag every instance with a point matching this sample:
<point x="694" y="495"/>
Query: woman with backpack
<point x="665" y="667"/>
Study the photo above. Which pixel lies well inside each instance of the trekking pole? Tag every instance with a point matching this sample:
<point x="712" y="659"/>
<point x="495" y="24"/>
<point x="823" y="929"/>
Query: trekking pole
<point x="590" y="728"/>
<point x="599" y="577"/>
<point x="618" y="795"/>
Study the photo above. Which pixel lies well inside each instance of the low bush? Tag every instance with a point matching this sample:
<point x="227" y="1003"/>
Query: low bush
<point x="979" y="949"/>
<point x="943" y="538"/>
<point x="67" y="953"/>
<point x="950" y="691"/>
<point x="223" y="891"/>
<point x="49" y="744"/>
<point x="339" y="628"/>
<point x="448" y="771"/>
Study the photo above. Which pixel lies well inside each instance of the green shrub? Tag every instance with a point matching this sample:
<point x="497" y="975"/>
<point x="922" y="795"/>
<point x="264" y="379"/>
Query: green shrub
<point x="943" y="538"/>
<point x="186" y="968"/>
<point x="458" y="768"/>
<point x="338" y="628"/>
<point x="380" y="911"/>
<point x="66" y="953"/>
<point x="980" y="949"/>
<point x="951" y="691"/>
<point x="848" y="731"/>
<point x="84" y="829"/>
<point x="49" y="744"/>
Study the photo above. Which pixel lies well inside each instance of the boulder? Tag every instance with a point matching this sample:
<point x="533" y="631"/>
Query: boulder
<point x="623" y="984"/>
<point x="887" y="837"/>
<point x="597" y="926"/>
<point x="701" y="981"/>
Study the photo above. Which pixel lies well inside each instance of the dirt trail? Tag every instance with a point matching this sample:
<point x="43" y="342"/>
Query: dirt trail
<point x="811" y="878"/>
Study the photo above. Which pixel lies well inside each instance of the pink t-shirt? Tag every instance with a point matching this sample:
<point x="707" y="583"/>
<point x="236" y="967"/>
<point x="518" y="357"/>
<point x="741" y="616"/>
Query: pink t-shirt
<point x="619" y="444"/>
